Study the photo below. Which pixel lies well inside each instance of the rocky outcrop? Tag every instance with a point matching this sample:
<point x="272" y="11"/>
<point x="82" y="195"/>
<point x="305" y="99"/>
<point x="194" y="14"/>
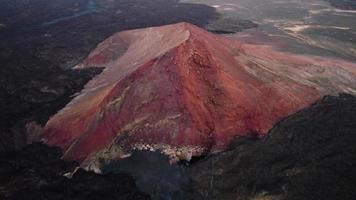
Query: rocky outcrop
<point x="37" y="172"/>
<point x="186" y="92"/>
<point x="309" y="155"/>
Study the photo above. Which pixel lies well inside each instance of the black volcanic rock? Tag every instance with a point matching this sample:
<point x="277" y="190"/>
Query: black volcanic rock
<point x="154" y="174"/>
<point x="33" y="90"/>
<point x="37" y="172"/>
<point x="309" y="155"/>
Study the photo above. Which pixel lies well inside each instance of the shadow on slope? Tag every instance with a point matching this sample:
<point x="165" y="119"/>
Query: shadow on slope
<point x="154" y="174"/>
<point x="37" y="172"/>
<point x="309" y="155"/>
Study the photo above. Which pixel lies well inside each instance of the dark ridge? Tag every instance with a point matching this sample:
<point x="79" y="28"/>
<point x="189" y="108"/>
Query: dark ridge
<point x="343" y="4"/>
<point x="229" y="26"/>
<point x="36" y="172"/>
<point x="221" y="32"/>
<point x="309" y="155"/>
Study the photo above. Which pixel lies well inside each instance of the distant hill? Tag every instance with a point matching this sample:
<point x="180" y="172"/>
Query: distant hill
<point x="343" y="4"/>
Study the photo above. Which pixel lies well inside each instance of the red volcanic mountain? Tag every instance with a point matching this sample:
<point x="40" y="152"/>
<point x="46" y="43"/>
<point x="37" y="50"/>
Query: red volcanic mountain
<point x="185" y="91"/>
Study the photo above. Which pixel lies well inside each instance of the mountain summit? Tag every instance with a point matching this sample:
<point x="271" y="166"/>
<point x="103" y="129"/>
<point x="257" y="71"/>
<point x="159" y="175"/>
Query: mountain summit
<point x="185" y="91"/>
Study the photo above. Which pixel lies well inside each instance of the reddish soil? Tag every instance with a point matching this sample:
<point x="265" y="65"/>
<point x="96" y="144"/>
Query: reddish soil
<point x="188" y="92"/>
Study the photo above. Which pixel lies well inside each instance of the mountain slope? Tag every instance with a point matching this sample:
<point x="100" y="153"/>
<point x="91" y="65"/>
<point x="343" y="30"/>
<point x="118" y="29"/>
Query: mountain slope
<point x="309" y="155"/>
<point x="187" y="92"/>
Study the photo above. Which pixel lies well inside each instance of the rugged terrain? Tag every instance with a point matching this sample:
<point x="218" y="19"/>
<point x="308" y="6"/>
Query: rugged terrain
<point x="302" y="156"/>
<point x="309" y="155"/>
<point x="296" y="52"/>
<point x="37" y="172"/>
<point x="187" y="92"/>
<point x="310" y="27"/>
<point x="41" y="41"/>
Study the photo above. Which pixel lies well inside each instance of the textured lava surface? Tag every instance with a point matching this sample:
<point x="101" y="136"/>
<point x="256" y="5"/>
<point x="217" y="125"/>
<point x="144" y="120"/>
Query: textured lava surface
<point x="37" y="172"/>
<point x="299" y="159"/>
<point x="185" y="91"/>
